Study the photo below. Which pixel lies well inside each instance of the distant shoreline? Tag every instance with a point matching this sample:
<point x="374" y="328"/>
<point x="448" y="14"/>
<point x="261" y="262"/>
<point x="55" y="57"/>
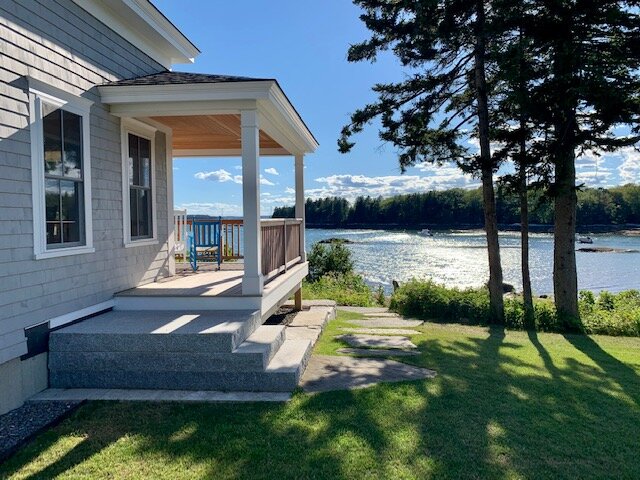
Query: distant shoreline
<point x="631" y="230"/>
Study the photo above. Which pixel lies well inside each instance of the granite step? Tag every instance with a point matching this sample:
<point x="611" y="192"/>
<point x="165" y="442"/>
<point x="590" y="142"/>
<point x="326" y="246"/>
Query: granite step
<point x="253" y="354"/>
<point x="282" y="374"/>
<point x="160" y="332"/>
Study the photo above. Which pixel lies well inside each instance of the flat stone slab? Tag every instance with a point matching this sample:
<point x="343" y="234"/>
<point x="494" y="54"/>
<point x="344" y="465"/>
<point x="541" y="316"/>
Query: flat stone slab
<point x="328" y="372"/>
<point x="303" y="333"/>
<point x="364" y="310"/>
<point x="135" y="395"/>
<point x="377" y="341"/>
<point x="382" y="315"/>
<point x="381" y="331"/>
<point x="378" y="352"/>
<point x="314" y="318"/>
<point x="386" y="323"/>
<point x="313" y="303"/>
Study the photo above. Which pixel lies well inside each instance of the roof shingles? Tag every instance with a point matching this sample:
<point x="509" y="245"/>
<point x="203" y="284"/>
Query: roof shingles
<point x="182" y="78"/>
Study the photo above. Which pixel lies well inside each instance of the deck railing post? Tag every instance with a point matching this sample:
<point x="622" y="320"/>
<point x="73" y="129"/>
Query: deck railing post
<point x="299" y="209"/>
<point x="252" y="281"/>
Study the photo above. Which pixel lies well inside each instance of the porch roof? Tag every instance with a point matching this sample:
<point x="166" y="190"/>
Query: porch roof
<point x="203" y="111"/>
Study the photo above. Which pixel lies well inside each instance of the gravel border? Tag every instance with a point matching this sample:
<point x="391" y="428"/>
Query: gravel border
<point x="19" y="426"/>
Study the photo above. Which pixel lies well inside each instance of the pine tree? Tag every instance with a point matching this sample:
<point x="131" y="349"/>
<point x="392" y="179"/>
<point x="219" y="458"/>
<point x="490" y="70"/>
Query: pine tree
<point x="429" y="115"/>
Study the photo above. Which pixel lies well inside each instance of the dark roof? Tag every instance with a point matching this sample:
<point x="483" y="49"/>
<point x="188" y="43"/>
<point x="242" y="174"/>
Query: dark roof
<point x="178" y="78"/>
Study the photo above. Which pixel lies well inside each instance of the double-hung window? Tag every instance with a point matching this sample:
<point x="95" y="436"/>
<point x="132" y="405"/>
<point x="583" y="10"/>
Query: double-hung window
<point x="61" y="172"/>
<point x="138" y="183"/>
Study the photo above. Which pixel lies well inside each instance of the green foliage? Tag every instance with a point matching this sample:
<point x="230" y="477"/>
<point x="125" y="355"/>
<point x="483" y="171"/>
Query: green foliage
<point x="332" y="259"/>
<point x="344" y="289"/>
<point x="607" y="314"/>
<point x="458" y="207"/>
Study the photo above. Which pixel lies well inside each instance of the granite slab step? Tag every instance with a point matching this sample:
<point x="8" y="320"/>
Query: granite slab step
<point x="377" y="341"/>
<point x="253" y="355"/>
<point x="378" y="352"/>
<point x="138" y="395"/>
<point x="381" y="331"/>
<point x="312" y="318"/>
<point x="386" y="323"/>
<point x="158" y="331"/>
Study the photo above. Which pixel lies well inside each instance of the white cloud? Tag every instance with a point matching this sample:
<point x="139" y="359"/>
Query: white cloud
<point x="220" y="176"/>
<point x="351" y="186"/>
<point x="271" y="171"/>
<point x="629" y="169"/>
<point x="289" y="190"/>
<point x="238" y="167"/>
<point x="264" y="181"/>
<point x="215" y="208"/>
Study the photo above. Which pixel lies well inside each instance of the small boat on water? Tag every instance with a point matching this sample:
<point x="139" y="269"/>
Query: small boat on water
<point x="425" y="232"/>
<point x="585" y="240"/>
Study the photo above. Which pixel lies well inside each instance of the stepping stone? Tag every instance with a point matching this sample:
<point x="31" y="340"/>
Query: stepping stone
<point x="387" y="323"/>
<point x="303" y="333"/>
<point x="364" y="310"/>
<point x="329" y="372"/>
<point x="381" y="331"/>
<point x="382" y="315"/>
<point x="377" y="341"/>
<point x="377" y="352"/>
<point x="314" y="318"/>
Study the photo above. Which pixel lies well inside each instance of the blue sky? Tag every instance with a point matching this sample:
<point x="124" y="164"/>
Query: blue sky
<point x="303" y="44"/>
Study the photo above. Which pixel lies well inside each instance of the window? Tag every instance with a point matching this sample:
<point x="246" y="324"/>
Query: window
<point x="140" y="207"/>
<point x="138" y="193"/>
<point x="61" y="183"/>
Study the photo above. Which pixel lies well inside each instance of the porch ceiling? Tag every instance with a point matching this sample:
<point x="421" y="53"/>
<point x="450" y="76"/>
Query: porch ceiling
<point x="212" y="133"/>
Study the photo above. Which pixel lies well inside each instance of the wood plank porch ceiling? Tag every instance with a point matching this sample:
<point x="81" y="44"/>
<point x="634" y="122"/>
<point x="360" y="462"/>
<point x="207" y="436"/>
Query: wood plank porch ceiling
<point x="204" y="132"/>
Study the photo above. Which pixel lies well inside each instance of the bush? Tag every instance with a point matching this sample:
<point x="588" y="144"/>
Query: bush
<point x="333" y="259"/>
<point x="607" y="314"/>
<point x="349" y="289"/>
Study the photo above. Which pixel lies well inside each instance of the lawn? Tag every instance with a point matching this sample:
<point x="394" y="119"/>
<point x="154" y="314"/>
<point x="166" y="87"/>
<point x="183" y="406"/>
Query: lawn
<point x="504" y="405"/>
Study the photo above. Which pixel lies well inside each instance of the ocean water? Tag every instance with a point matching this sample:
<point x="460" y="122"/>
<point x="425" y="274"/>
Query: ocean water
<point x="459" y="258"/>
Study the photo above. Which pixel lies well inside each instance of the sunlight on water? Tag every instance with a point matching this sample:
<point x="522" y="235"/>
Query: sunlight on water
<point x="459" y="258"/>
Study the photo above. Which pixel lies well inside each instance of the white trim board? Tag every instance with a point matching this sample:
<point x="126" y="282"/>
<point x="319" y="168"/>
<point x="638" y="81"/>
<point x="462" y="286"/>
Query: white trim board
<point x="84" y="312"/>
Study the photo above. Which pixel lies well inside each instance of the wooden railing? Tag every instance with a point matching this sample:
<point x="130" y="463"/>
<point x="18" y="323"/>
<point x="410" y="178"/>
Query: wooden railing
<point x="280" y="245"/>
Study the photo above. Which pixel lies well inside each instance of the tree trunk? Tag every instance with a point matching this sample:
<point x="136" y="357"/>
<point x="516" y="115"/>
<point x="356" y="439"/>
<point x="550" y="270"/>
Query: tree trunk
<point x="565" y="276"/>
<point x="529" y="320"/>
<point x="488" y="194"/>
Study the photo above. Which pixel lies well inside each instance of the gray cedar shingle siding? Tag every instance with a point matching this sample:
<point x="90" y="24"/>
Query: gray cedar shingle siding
<point x="57" y="42"/>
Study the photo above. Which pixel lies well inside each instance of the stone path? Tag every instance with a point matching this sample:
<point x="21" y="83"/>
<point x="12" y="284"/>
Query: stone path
<point x="365" y="310"/>
<point x="328" y="372"/>
<point x="377" y="352"/>
<point x="381" y="331"/>
<point x="377" y="341"/>
<point x="387" y="323"/>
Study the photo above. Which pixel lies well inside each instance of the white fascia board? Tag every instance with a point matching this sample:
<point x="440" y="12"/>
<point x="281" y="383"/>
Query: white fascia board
<point x="146" y="28"/>
<point x="224" y="152"/>
<point x="199" y="92"/>
<point x="160" y="109"/>
<point x="278" y="99"/>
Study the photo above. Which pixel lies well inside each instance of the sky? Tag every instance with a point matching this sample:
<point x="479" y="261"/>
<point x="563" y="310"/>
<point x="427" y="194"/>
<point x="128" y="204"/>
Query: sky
<point x="304" y="45"/>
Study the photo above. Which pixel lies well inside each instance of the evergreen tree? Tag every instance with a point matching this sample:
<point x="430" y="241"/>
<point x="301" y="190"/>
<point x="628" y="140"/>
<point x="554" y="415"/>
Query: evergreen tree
<point x="427" y="117"/>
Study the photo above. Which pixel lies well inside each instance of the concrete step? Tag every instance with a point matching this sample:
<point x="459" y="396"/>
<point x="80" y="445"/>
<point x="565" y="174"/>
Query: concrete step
<point x="280" y="375"/>
<point x="158" y="332"/>
<point x="253" y="355"/>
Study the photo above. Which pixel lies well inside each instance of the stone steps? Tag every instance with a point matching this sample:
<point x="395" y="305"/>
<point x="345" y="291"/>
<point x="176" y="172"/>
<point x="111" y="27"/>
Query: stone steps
<point x="221" y="351"/>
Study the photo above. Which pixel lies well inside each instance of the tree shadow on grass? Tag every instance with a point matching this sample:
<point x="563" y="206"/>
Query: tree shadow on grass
<point x="502" y="405"/>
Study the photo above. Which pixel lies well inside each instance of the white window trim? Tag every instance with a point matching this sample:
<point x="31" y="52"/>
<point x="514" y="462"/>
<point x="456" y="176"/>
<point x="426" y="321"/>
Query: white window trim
<point x="39" y="92"/>
<point x="136" y="127"/>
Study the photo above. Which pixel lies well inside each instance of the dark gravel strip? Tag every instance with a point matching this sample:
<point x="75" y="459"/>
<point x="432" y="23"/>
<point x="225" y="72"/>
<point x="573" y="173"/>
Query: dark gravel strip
<point x="19" y="426"/>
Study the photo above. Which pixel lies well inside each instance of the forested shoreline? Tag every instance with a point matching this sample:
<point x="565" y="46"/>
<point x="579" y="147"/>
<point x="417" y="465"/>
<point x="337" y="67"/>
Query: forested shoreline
<point x="602" y="209"/>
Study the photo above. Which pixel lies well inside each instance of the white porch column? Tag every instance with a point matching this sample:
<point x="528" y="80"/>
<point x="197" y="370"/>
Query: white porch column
<point x="170" y="222"/>
<point x="299" y="210"/>
<point x="252" y="281"/>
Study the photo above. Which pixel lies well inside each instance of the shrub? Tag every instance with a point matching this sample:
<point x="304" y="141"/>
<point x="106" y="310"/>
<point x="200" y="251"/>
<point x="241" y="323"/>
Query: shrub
<point x="332" y="259"/>
<point x="349" y="289"/>
<point x="607" y="314"/>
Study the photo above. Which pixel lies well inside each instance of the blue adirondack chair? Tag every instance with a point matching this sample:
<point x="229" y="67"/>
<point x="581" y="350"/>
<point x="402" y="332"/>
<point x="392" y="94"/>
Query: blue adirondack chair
<point x="205" y="242"/>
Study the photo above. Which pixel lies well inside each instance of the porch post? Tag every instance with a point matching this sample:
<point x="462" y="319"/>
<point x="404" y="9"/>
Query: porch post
<point x="252" y="281"/>
<point x="299" y="210"/>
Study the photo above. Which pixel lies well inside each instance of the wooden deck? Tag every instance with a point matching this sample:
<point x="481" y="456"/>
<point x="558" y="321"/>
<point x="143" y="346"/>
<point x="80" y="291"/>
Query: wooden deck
<point x="186" y="283"/>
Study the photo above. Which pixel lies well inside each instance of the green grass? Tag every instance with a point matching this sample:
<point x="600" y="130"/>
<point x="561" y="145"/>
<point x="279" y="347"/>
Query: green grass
<point x="347" y="289"/>
<point x="504" y="405"/>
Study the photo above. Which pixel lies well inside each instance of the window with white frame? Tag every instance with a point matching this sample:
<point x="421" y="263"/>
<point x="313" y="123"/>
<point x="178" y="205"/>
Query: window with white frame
<point x="138" y="193"/>
<point x="61" y="172"/>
